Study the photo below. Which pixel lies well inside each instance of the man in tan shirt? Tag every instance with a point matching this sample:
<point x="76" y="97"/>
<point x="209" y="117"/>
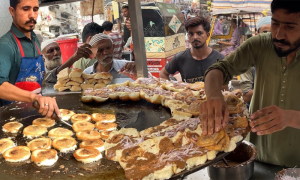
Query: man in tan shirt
<point x="275" y="105"/>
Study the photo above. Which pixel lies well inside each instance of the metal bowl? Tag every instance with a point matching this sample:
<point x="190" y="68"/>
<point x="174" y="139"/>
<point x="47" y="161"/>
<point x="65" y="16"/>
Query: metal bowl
<point x="292" y="172"/>
<point x="240" y="164"/>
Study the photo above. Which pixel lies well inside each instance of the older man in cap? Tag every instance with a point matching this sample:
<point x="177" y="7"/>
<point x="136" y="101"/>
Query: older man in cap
<point x="102" y="47"/>
<point x="263" y="25"/>
<point x="53" y="61"/>
<point x="51" y="55"/>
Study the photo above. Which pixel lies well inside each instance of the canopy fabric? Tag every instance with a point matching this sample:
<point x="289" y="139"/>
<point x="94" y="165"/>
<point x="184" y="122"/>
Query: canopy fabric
<point x="227" y="4"/>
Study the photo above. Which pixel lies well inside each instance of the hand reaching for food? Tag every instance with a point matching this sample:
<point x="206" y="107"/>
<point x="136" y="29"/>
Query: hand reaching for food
<point x="129" y="69"/>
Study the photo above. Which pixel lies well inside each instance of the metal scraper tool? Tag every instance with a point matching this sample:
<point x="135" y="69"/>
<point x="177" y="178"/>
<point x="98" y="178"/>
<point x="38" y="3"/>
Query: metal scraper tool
<point x="36" y="105"/>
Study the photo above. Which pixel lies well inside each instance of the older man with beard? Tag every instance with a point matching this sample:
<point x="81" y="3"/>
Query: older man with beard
<point x="102" y="47"/>
<point x="275" y="105"/>
<point x="52" y="58"/>
<point x="51" y="55"/>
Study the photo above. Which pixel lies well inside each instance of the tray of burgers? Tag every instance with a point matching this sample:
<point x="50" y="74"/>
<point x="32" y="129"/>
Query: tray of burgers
<point x="175" y="147"/>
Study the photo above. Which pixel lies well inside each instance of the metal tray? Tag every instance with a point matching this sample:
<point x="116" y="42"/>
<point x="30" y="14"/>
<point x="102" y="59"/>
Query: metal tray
<point x="140" y="115"/>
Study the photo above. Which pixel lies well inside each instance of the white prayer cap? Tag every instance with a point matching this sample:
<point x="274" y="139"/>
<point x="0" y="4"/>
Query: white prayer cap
<point x="47" y="42"/>
<point x="98" y="37"/>
<point x="263" y="21"/>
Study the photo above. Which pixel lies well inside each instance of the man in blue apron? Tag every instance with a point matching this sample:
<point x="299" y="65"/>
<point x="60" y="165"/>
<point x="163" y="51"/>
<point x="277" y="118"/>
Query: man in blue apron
<point x="21" y="65"/>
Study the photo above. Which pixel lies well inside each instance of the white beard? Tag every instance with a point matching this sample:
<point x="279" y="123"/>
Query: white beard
<point x="103" y="63"/>
<point x="51" y="64"/>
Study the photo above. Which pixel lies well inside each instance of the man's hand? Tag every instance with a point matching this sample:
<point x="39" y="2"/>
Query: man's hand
<point x="270" y="119"/>
<point x="129" y="69"/>
<point x="214" y="114"/>
<point x="47" y="105"/>
<point x="83" y="51"/>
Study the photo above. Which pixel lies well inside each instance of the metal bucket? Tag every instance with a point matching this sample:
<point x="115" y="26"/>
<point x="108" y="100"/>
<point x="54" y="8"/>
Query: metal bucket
<point x="240" y="164"/>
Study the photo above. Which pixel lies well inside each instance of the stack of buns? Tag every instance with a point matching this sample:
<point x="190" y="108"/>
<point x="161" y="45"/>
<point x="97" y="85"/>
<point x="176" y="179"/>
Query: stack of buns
<point x="75" y="80"/>
<point x="96" y="81"/>
<point x="69" y="79"/>
<point x="182" y="98"/>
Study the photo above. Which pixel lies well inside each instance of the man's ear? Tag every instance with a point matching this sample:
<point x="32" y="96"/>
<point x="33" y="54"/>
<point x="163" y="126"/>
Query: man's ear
<point x="11" y="11"/>
<point x="88" y="39"/>
<point x="207" y="35"/>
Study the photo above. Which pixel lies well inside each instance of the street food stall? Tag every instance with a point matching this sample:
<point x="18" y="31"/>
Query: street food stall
<point x="164" y="33"/>
<point x="248" y="16"/>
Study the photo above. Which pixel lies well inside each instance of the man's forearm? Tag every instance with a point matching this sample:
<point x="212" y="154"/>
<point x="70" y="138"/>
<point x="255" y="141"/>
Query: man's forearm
<point x="225" y="43"/>
<point x="213" y="82"/>
<point x="68" y="63"/>
<point x="164" y="76"/>
<point x="10" y="92"/>
<point x="247" y="97"/>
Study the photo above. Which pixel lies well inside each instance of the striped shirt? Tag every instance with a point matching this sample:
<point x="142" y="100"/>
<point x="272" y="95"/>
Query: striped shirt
<point x="117" y="41"/>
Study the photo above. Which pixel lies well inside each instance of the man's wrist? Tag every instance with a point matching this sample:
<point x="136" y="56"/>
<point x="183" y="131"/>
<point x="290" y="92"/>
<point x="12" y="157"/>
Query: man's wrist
<point x="32" y="97"/>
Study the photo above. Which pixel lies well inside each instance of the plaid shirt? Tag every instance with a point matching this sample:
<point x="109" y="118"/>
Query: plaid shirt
<point x="117" y="41"/>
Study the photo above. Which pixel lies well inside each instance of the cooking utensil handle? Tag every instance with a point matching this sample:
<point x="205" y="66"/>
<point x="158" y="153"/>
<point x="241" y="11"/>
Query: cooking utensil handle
<point x="36" y="105"/>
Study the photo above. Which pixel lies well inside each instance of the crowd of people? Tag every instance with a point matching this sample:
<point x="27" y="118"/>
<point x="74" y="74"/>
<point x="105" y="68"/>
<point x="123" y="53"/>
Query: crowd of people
<point x="268" y="65"/>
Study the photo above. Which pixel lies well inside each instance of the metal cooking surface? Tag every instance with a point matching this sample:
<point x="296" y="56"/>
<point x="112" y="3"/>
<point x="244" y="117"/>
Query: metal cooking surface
<point x="139" y="115"/>
<point x="142" y="114"/>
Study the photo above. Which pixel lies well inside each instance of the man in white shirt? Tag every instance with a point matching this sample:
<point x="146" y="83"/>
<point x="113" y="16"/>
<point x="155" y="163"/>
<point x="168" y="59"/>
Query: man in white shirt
<point x="103" y="46"/>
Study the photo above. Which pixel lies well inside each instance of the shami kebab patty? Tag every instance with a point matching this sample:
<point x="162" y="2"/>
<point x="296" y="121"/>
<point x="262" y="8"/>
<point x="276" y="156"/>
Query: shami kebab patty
<point x="66" y="114"/>
<point x="34" y="131"/>
<point x="17" y="154"/>
<point x="88" y="135"/>
<point x="44" y="157"/>
<point x="60" y="132"/>
<point x="107" y="118"/>
<point x="40" y="143"/>
<point x="5" y="144"/>
<point x="83" y="126"/>
<point x="87" y="155"/>
<point x="81" y="117"/>
<point x="106" y="126"/>
<point x="93" y="144"/>
<point x="12" y="127"/>
<point x="64" y="144"/>
<point x="44" y="122"/>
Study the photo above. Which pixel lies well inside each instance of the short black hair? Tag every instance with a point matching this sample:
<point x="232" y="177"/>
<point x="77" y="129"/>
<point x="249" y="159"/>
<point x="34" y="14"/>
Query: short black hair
<point x="107" y="25"/>
<point x="291" y="6"/>
<point x="14" y="3"/>
<point x="125" y="7"/>
<point x="90" y="30"/>
<point x="197" y="21"/>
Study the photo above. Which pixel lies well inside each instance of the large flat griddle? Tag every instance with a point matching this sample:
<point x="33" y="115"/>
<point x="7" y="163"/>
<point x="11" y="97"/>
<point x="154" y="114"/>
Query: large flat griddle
<point x="139" y="115"/>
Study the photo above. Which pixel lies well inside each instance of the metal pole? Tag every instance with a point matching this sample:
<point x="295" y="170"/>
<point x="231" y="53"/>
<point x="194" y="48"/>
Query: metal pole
<point x="138" y="37"/>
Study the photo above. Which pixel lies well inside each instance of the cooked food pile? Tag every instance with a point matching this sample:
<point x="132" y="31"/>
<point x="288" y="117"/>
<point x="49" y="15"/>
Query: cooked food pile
<point x="75" y="80"/>
<point x="158" y="152"/>
<point x="181" y="98"/>
<point x="88" y="130"/>
<point x="177" y="143"/>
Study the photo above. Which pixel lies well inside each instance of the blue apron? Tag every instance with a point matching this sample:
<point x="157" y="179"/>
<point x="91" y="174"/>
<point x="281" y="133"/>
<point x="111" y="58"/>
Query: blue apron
<point x="31" y="74"/>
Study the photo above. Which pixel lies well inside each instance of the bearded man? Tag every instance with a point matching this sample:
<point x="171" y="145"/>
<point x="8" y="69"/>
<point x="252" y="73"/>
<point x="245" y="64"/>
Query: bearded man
<point x="53" y="61"/>
<point x="275" y="105"/>
<point x="51" y="55"/>
<point x="103" y="47"/>
<point x="193" y="62"/>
